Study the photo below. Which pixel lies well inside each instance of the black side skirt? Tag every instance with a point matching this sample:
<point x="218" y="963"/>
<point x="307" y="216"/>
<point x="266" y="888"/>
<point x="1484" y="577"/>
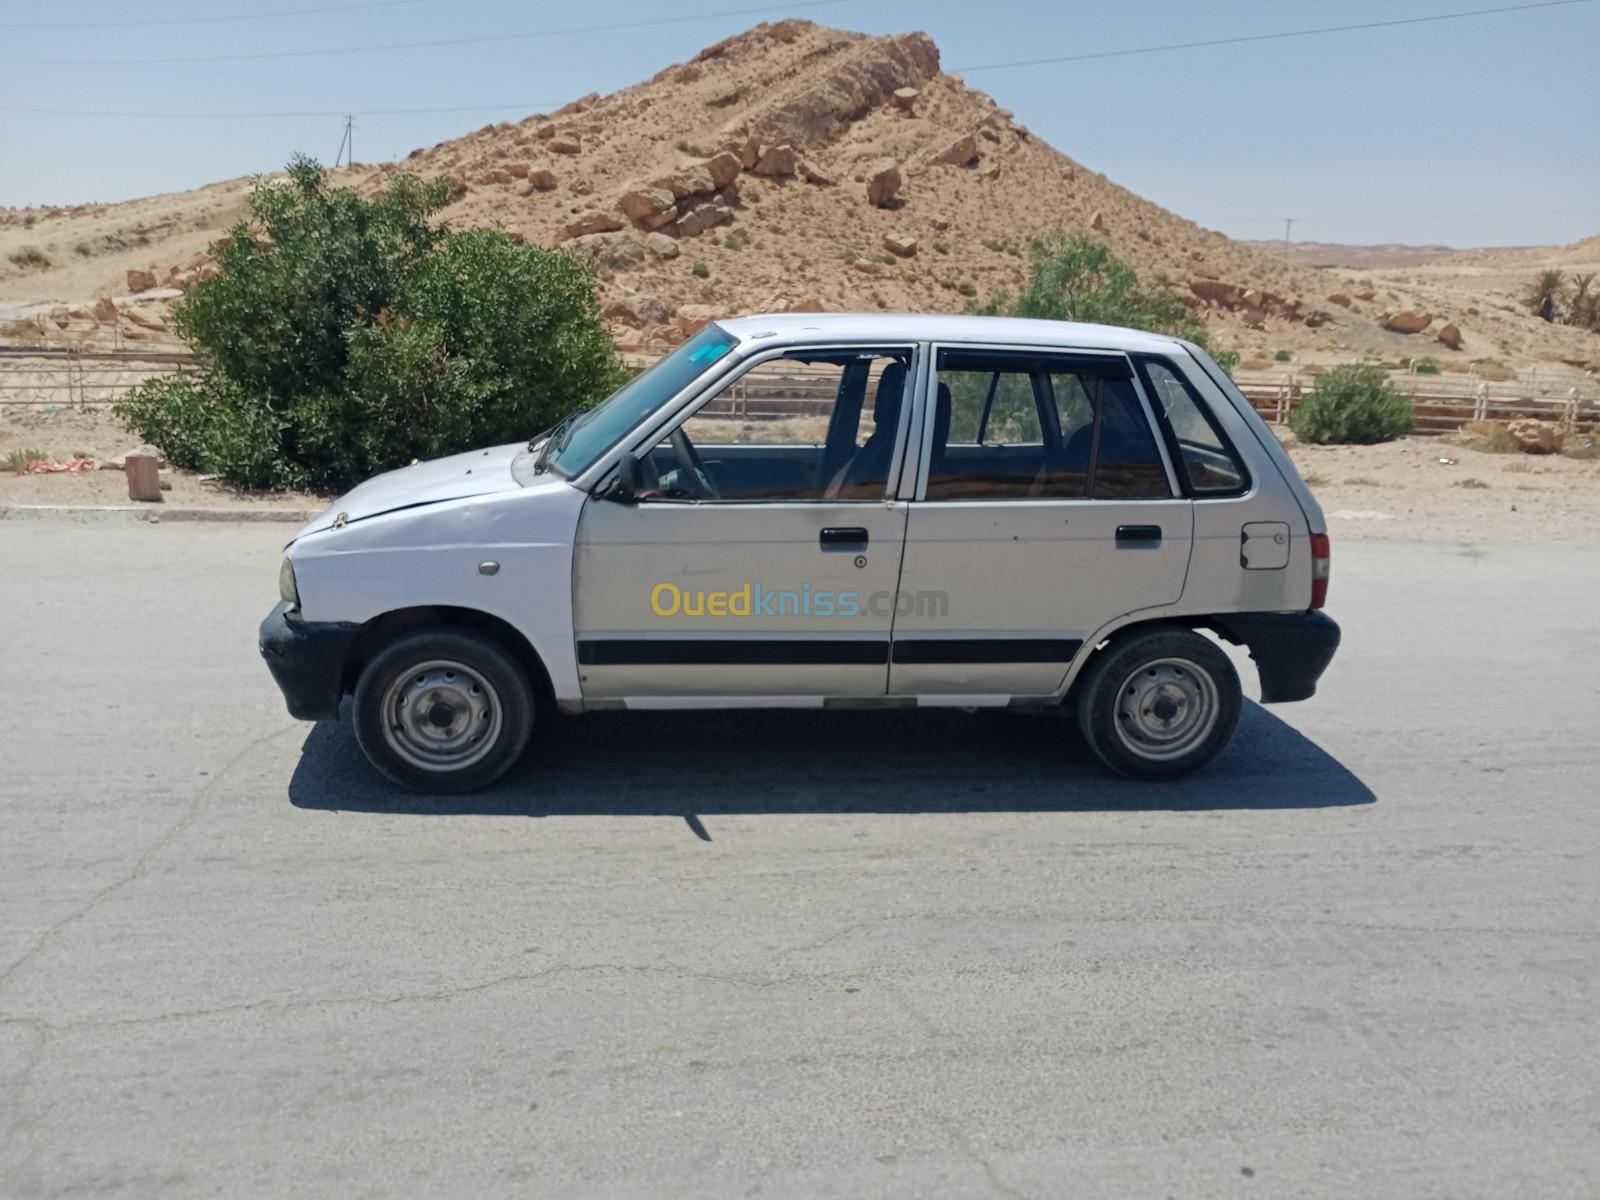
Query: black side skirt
<point x="613" y="652"/>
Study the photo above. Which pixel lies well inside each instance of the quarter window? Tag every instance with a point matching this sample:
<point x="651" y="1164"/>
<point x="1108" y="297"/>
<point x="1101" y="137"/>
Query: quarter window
<point x="1207" y="460"/>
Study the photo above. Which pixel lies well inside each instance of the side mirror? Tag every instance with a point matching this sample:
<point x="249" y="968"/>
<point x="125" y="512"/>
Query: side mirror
<point x="630" y="480"/>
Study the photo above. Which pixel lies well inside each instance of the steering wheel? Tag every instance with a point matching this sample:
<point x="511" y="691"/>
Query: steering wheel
<point x="691" y="467"/>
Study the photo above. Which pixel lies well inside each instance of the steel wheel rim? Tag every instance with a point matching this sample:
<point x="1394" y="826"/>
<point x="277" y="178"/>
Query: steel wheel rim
<point x="442" y="715"/>
<point x="1166" y="709"/>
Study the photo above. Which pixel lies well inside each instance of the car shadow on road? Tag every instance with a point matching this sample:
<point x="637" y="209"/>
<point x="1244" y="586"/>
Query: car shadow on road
<point x="833" y="761"/>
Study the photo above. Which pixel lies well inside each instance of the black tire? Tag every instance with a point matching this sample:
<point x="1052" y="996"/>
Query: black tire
<point x="443" y="710"/>
<point x="1158" y="703"/>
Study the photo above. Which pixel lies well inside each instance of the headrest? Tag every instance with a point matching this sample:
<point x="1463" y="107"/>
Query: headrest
<point x="941" y="417"/>
<point x="891" y="387"/>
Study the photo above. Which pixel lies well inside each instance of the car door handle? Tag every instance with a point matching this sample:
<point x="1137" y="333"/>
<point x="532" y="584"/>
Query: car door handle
<point x="851" y="537"/>
<point x="1135" y="536"/>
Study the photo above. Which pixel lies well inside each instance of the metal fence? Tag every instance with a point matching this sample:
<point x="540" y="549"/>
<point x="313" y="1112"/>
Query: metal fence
<point x="37" y="378"/>
<point x="79" y="376"/>
<point x="1444" y="403"/>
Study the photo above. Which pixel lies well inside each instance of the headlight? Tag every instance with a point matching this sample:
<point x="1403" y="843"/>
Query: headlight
<point x="287" y="588"/>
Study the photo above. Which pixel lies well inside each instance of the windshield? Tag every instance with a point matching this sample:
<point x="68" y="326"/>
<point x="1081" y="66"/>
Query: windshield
<point x="573" y="450"/>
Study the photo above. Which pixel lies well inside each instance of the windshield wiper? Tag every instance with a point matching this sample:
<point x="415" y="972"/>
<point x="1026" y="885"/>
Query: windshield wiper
<point x="557" y="431"/>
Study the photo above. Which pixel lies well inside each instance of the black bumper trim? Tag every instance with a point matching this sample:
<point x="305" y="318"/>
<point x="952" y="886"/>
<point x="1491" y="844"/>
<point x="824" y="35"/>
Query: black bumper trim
<point x="1291" y="650"/>
<point x="307" y="660"/>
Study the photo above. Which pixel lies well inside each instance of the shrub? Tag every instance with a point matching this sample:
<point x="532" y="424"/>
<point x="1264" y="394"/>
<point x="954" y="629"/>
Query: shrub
<point x="1353" y="403"/>
<point x="1425" y="366"/>
<point x="344" y="336"/>
<point x="1282" y="356"/>
<point x="31" y="256"/>
<point x="17" y="459"/>
<point x="1079" y="279"/>
<point x="701" y="271"/>
<point x="1544" y="294"/>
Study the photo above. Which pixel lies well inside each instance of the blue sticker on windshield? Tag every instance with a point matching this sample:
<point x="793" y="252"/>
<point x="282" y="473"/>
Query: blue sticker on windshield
<point x="709" y="353"/>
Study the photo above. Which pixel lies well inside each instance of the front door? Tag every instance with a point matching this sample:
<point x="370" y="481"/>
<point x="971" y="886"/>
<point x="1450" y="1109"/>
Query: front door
<point x="763" y="556"/>
<point x="1046" y="509"/>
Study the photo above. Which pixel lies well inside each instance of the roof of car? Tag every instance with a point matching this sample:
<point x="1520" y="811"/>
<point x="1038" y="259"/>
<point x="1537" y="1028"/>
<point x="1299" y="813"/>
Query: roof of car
<point x="799" y="328"/>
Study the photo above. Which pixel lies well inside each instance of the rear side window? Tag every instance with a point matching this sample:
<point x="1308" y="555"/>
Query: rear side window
<point x="1019" y="426"/>
<point x="1209" y="465"/>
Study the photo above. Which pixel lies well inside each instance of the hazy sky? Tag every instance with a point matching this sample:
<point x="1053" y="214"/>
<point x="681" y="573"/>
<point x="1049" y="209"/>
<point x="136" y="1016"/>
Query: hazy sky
<point x="1468" y="132"/>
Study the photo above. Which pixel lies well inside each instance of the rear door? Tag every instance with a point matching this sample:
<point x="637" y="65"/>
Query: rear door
<point x="766" y="565"/>
<point x="1045" y="506"/>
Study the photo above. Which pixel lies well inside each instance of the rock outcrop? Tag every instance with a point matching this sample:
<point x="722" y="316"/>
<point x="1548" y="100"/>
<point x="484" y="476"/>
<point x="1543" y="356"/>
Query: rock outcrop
<point x="883" y="183"/>
<point x="819" y="112"/>
<point x="1536" y="437"/>
<point x="1408" y="322"/>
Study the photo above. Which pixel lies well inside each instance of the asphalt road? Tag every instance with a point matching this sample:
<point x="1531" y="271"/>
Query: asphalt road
<point x="831" y="955"/>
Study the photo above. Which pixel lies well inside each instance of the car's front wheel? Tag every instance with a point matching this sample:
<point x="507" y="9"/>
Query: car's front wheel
<point x="1158" y="703"/>
<point x="443" y="710"/>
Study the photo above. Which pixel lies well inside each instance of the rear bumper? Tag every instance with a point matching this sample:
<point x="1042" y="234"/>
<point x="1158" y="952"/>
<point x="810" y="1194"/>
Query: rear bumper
<point x="1291" y="650"/>
<point x="307" y="661"/>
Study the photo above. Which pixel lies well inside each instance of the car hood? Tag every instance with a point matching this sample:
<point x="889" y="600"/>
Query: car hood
<point x="475" y="473"/>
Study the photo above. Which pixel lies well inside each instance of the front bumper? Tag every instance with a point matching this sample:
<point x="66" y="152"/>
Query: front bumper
<point x="1291" y="650"/>
<point x="307" y="661"/>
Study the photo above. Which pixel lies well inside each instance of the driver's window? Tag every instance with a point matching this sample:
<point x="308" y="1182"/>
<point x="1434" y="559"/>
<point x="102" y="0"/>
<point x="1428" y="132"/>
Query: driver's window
<point x="820" y="426"/>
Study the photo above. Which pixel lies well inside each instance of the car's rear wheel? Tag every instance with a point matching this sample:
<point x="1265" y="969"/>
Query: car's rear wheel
<point x="1158" y="703"/>
<point x="443" y="710"/>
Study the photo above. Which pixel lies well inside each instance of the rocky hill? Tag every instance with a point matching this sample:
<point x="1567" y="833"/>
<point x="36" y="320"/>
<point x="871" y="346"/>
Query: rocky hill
<point x="792" y="166"/>
<point x="796" y="165"/>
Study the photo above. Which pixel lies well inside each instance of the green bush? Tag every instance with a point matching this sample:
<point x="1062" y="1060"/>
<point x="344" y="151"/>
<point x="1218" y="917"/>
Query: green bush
<point x="343" y="336"/>
<point x="1425" y="366"/>
<point x="1353" y="403"/>
<point x="1282" y="356"/>
<point x="31" y="256"/>
<point x="1079" y="279"/>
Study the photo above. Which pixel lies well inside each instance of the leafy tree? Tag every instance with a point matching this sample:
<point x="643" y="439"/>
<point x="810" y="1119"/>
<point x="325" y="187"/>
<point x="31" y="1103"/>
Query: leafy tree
<point x="1079" y="279"/>
<point x="1353" y="403"/>
<point x="344" y="335"/>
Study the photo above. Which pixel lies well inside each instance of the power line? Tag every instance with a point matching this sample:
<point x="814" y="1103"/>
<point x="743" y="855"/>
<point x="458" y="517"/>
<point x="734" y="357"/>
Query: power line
<point x="541" y="106"/>
<point x="1268" y="37"/>
<point x="229" y="18"/>
<point x="323" y="52"/>
<point x="527" y="106"/>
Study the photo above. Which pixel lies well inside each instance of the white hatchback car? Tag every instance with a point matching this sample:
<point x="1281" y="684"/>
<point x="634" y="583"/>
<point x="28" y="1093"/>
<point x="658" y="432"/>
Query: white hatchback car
<point x="815" y="510"/>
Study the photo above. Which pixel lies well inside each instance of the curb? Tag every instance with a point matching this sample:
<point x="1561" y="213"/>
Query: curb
<point x="151" y="514"/>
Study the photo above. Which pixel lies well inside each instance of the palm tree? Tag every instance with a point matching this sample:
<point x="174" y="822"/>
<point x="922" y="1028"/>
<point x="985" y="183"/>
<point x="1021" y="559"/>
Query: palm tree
<point x="1544" y="292"/>
<point x="1583" y="310"/>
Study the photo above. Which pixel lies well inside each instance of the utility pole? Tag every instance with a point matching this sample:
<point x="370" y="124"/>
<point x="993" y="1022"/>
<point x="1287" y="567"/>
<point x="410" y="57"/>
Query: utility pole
<point x="347" y="143"/>
<point x="1288" y="224"/>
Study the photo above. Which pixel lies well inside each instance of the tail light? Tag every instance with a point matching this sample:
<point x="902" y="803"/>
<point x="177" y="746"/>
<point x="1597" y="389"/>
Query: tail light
<point x="1321" y="560"/>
